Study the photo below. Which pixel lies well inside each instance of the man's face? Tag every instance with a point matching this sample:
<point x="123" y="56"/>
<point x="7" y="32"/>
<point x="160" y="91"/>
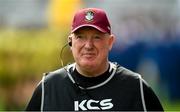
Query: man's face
<point x="90" y="48"/>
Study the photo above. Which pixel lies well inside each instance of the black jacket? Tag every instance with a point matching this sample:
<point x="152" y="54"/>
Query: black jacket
<point x="116" y="89"/>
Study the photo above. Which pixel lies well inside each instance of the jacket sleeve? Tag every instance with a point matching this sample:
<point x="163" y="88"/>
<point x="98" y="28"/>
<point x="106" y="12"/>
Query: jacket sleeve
<point x="151" y="100"/>
<point x="35" y="101"/>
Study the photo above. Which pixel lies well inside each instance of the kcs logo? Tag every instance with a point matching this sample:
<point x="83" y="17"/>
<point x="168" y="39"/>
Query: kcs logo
<point x="93" y="105"/>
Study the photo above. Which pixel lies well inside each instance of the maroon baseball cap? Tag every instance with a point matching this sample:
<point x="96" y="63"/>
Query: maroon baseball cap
<point x="92" y="17"/>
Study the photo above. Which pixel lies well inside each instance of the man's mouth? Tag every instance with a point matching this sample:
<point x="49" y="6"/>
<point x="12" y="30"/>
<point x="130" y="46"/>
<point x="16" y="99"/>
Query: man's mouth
<point x="89" y="55"/>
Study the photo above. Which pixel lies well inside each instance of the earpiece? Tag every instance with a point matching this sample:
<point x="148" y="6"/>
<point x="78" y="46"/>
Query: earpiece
<point x="70" y="40"/>
<point x="70" y="43"/>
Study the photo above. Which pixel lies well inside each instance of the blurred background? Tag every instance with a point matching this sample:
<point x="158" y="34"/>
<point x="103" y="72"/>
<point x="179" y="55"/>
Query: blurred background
<point x="32" y="33"/>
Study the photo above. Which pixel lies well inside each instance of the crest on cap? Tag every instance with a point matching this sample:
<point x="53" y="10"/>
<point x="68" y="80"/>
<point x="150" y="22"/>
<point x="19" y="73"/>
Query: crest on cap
<point x="89" y="15"/>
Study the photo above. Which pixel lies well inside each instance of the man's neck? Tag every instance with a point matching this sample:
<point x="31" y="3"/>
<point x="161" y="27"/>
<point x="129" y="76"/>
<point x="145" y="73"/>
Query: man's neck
<point x="93" y="72"/>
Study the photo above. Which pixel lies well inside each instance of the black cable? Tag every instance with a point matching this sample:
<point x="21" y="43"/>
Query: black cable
<point x="61" y="52"/>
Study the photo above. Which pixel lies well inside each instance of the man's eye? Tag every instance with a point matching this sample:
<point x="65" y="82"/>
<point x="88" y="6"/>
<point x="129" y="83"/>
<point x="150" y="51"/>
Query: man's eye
<point x="79" y="36"/>
<point x="97" y="37"/>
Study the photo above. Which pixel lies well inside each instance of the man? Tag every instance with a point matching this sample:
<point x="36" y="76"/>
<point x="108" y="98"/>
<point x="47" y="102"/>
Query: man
<point x="93" y="83"/>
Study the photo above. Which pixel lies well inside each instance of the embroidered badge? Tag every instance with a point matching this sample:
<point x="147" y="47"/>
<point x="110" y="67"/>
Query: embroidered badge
<point x="89" y="16"/>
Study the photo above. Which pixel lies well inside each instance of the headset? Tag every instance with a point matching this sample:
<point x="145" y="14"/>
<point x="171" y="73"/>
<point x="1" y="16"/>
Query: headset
<point x="70" y="43"/>
<point x="62" y="49"/>
<point x="70" y="40"/>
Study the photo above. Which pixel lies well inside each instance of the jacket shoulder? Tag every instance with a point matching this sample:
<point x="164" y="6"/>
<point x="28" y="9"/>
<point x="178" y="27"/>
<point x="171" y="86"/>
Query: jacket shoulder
<point x="57" y="74"/>
<point x="126" y="73"/>
<point x="129" y="76"/>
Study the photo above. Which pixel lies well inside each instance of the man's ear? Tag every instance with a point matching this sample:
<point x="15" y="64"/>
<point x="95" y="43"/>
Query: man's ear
<point x="70" y="40"/>
<point x="111" y="41"/>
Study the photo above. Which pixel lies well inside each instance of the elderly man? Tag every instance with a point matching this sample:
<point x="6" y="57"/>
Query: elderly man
<point x="93" y="83"/>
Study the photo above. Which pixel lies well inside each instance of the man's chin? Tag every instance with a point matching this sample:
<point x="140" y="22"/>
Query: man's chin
<point x="88" y="64"/>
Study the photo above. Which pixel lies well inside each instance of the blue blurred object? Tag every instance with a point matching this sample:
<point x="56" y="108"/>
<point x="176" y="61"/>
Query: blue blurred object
<point x="166" y="54"/>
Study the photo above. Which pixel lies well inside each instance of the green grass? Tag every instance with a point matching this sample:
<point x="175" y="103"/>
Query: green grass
<point x="171" y="105"/>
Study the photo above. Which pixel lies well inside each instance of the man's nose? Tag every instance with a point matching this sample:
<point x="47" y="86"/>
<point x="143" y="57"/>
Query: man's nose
<point x="89" y="44"/>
